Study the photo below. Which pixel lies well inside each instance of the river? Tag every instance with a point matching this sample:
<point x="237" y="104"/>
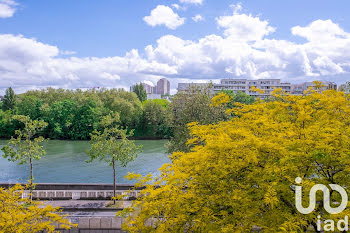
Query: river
<point x="65" y="163"/>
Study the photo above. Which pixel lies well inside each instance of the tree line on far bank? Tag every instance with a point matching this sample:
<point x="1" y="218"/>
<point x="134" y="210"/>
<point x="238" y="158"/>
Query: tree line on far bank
<point x="75" y="114"/>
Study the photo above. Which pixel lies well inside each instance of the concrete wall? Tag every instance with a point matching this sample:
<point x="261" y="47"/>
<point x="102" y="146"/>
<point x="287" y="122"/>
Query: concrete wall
<point x="78" y="191"/>
<point x="96" y="225"/>
<point x="99" y="225"/>
<point x="73" y="186"/>
<point x="79" y="194"/>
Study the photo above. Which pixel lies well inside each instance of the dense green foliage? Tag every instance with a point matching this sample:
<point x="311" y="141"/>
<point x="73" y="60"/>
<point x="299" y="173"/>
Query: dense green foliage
<point x="155" y="118"/>
<point x="76" y="114"/>
<point x="239" y="97"/>
<point x="196" y="105"/>
<point x="9" y="101"/>
<point x="140" y="92"/>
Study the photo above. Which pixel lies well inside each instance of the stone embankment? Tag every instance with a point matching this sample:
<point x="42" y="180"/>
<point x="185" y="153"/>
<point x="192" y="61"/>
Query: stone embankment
<point x="85" y="204"/>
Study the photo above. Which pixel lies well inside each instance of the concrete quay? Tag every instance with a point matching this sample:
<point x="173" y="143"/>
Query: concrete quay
<point x="61" y="191"/>
<point x="84" y="204"/>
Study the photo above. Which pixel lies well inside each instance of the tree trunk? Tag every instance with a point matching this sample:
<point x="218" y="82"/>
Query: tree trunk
<point x="31" y="180"/>
<point x="114" y="185"/>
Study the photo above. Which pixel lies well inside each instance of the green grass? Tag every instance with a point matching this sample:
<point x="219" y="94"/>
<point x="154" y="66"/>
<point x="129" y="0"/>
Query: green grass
<point x="118" y="204"/>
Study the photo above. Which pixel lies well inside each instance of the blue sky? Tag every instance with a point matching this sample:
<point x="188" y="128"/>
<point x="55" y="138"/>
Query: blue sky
<point x="88" y="43"/>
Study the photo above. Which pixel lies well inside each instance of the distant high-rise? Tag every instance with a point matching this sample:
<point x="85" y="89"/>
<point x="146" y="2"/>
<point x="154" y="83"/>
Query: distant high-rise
<point x="163" y="87"/>
<point x="148" y="88"/>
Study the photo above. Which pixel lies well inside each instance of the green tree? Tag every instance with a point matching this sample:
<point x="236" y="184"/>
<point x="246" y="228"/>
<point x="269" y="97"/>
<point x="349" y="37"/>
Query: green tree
<point x="193" y="105"/>
<point x="155" y="114"/>
<point x="7" y="125"/>
<point x="140" y="92"/>
<point x="9" y="101"/>
<point x="26" y="147"/>
<point x="29" y="106"/>
<point x="74" y="114"/>
<point x="239" y="97"/>
<point x="112" y="145"/>
<point x="85" y="120"/>
<point x="60" y="118"/>
<point x="126" y="104"/>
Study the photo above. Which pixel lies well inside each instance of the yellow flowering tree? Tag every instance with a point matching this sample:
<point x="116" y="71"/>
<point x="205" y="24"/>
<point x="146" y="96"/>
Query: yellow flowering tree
<point x="16" y="215"/>
<point x="240" y="174"/>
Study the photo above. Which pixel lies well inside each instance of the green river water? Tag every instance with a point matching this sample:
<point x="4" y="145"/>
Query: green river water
<point x="65" y="163"/>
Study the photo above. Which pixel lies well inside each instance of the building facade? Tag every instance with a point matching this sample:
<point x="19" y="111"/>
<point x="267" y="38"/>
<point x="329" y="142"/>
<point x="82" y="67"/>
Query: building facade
<point x="189" y="86"/>
<point x="245" y="85"/>
<point x="299" y="89"/>
<point x="154" y="96"/>
<point x="148" y="88"/>
<point x="163" y="87"/>
<point x="266" y="85"/>
<point x="345" y="87"/>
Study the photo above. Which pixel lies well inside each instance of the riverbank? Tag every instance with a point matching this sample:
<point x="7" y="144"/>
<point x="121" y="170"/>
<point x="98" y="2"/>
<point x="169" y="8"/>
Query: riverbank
<point x="65" y="163"/>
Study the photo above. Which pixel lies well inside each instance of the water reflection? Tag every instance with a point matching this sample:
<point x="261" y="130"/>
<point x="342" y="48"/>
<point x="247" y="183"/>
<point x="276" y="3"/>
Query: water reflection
<point x="65" y="163"/>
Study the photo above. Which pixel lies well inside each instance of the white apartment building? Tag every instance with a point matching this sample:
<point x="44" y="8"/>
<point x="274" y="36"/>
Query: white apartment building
<point x="267" y="85"/>
<point x="188" y="86"/>
<point x="343" y="87"/>
<point x="245" y="85"/>
<point x="299" y="89"/>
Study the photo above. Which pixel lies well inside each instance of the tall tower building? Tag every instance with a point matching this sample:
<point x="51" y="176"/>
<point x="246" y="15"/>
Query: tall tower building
<point x="163" y="87"/>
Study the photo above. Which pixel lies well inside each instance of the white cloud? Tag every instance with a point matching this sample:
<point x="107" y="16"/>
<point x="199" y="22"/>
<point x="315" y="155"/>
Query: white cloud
<point x="242" y="49"/>
<point x="7" y="8"/>
<point x="164" y="15"/>
<point x="28" y="63"/>
<point x="175" y="6"/>
<point x="237" y="7"/>
<point x="110" y="76"/>
<point x="148" y="82"/>
<point x="178" y="7"/>
<point x="244" y="27"/>
<point x="197" y="18"/>
<point x="320" y="30"/>
<point x="326" y="66"/>
<point x="198" y="2"/>
<point x="67" y="52"/>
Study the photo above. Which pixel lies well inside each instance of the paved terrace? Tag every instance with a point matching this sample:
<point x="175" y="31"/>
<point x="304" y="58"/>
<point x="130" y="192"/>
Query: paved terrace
<point x="85" y="204"/>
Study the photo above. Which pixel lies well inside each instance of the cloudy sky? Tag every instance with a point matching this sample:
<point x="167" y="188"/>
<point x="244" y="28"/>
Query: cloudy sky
<point x="115" y="43"/>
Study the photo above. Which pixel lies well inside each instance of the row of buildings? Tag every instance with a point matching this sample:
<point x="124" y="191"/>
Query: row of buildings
<point x="245" y="85"/>
<point x="156" y="92"/>
<point x="162" y="89"/>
